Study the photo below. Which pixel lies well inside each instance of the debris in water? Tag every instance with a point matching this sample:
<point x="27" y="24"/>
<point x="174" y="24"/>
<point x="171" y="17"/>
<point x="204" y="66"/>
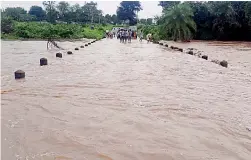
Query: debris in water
<point x="52" y="43"/>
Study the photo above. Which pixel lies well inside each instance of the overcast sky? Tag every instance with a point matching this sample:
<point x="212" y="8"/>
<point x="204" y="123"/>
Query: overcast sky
<point x="150" y="8"/>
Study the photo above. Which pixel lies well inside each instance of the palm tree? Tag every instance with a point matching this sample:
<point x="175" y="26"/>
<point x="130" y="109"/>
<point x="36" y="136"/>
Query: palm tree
<point x="178" y="22"/>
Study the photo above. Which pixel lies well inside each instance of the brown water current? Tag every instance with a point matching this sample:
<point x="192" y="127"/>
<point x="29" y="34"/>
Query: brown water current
<point x="138" y="101"/>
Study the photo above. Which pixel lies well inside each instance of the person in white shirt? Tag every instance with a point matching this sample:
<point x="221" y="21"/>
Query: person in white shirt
<point x="148" y="37"/>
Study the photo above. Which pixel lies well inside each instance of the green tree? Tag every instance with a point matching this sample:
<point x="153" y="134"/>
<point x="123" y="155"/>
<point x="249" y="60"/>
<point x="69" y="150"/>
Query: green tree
<point x="63" y="11"/>
<point x="114" y="19"/>
<point x="149" y="21"/>
<point x="127" y="11"/>
<point x="6" y="25"/>
<point x="91" y="10"/>
<point x="142" y="21"/>
<point x="38" y="12"/>
<point x="15" y="13"/>
<point x="224" y="18"/>
<point x="203" y="19"/>
<point x="51" y="12"/>
<point x="167" y="4"/>
<point x="178" y="22"/>
<point x="77" y="14"/>
<point x="247" y="10"/>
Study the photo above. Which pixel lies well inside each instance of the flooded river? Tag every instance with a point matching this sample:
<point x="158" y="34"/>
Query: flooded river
<point x="113" y="101"/>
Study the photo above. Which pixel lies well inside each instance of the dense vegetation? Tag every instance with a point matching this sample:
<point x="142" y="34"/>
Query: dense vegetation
<point x="213" y="20"/>
<point x="225" y="20"/>
<point x="61" y="20"/>
<point x="58" y="20"/>
<point x="61" y="12"/>
<point x="38" y="30"/>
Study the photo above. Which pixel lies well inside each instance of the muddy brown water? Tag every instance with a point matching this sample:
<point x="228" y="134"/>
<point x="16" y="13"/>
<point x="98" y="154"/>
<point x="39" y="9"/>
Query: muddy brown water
<point x="113" y="101"/>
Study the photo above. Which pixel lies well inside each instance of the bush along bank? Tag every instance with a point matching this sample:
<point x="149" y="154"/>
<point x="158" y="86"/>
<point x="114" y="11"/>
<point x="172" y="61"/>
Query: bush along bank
<point x="39" y="30"/>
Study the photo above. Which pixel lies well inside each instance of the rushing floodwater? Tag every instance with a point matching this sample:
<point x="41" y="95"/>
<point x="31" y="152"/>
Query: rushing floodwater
<point x="138" y="101"/>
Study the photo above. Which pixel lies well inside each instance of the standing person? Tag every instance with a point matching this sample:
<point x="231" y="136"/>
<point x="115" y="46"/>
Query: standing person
<point x="118" y="34"/>
<point x="107" y="33"/>
<point x="148" y="37"/>
<point x="132" y="35"/>
<point x="140" y="36"/>
<point x="121" y="35"/>
<point x="129" y="36"/>
<point x="126" y="35"/>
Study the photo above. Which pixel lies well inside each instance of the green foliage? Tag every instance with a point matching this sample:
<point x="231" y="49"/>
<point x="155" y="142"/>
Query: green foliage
<point x="6" y="25"/>
<point x="8" y="36"/>
<point x="248" y="12"/>
<point x="15" y="13"/>
<point x="179" y="23"/>
<point x="126" y="11"/>
<point x="37" y="12"/>
<point x="142" y="21"/>
<point x="51" y="12"/>
<point x="149" y="21"/>
<point x="168" y="4"/>
<point x="39" y="30"/>
<point x="111" y="19"/>
<point x="225" y="20"/>
<point x="93" y="34"/>
<point x="155" y="30"/>
<point x="61" y="12"/>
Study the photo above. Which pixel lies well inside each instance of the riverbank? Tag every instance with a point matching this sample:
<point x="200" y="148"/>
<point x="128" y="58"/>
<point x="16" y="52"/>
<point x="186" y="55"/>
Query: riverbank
<point x="41" y="31"/>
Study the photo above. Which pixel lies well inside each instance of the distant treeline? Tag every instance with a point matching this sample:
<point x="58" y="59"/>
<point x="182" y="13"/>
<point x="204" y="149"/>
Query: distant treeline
<point x="213" y="20"/>
<point x="60" y="12"/>
<point x="58" y="20"/>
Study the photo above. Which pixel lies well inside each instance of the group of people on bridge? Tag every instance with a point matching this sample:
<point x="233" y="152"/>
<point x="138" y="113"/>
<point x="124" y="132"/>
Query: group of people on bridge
<point x="126" y="35"/>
